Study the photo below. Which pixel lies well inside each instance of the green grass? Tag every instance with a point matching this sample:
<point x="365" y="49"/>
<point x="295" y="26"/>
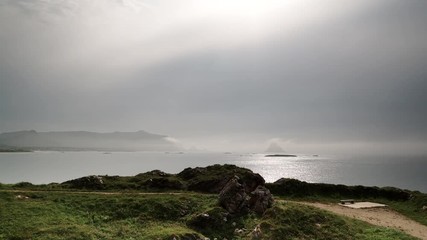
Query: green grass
<point x="411" y="208"/>
<point x="374" y="233"/>
<point x="296" y="221"/>
<point x="56" y="215"/>
<point x="95" y="216"/>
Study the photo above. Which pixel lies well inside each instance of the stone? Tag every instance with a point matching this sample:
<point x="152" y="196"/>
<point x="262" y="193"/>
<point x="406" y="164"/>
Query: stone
<point x="21" y="197"/>
<point x="236" y="199"/>
<point x="212" y="179"/>
<point x="252" y="181"/>
<point x="238" y="231"/>
<point x="256" y="233"/>
<point x="260" y="200"/>
<point x="233" y="197"/>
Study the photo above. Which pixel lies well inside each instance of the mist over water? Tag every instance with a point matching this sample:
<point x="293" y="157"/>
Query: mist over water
<point x="316" y="77"/>
<point x="45" y="167"/>
<point x="220" y="75"/>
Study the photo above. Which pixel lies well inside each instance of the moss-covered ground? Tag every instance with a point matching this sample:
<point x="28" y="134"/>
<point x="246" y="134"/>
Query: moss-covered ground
<point x="68" y="215"/>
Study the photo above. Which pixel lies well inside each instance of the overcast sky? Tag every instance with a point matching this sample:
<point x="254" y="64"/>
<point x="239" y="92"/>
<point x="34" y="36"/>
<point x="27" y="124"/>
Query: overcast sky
<point x="312" y="76"/>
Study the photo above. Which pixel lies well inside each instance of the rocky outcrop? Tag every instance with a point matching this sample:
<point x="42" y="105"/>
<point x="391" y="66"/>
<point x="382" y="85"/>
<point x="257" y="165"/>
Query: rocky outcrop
<point x="260" y="200"/>
<point x="235" y="198"/>
<point x="212" y="179"/>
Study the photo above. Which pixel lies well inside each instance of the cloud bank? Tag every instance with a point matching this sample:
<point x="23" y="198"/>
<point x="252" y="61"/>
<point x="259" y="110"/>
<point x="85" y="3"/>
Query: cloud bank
<point x="326" y="76"/>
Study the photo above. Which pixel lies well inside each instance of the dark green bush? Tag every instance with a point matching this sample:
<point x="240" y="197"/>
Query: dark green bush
<point x="296" y="188"/>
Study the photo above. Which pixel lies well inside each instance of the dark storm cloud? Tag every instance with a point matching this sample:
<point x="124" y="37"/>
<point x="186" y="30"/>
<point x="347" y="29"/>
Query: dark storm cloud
<point x="349" y="75"/>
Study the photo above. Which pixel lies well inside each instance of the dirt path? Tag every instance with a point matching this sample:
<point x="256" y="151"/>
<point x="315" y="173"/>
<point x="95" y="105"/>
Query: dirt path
<point x="384" y="217"/>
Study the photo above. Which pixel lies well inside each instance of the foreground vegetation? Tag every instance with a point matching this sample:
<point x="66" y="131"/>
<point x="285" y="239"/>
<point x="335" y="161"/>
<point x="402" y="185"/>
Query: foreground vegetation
<point x="409" y="203"/>
<point x="157" y="205"/>
<point x="53" y="215"/>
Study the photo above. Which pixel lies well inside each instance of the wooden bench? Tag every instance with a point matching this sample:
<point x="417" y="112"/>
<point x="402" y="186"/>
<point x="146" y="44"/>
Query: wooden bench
<point x="347" y="201"/>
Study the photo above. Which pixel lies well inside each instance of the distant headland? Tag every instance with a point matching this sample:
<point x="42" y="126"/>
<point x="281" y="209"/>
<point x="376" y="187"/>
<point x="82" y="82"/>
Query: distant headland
<point x="24" y="141"/>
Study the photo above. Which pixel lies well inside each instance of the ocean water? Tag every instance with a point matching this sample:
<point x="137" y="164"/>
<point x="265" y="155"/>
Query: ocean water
<point x="406" y="172"/>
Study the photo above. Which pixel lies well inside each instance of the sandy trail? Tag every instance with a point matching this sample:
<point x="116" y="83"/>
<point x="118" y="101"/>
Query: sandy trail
<point x="384" y="217"/>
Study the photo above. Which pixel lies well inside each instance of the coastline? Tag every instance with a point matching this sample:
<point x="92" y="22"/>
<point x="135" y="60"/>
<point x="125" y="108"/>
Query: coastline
<point x="199" y="187"/>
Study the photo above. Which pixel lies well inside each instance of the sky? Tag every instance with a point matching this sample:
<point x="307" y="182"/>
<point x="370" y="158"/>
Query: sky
<point x="234" y="75"/>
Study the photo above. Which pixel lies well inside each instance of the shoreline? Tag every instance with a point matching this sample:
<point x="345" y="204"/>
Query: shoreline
<point x="168" y="192"/>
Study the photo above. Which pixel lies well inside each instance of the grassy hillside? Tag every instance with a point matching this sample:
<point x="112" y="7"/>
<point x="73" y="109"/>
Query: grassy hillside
<point x="157" y="205"/>
<point x="408" y="203"/>
<point x="58" y="215"/>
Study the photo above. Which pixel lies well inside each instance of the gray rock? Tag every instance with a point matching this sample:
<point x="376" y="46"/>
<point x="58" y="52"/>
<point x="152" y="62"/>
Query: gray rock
<point x="233" y="197"/>
<point x="260" y="200"/>
<point x="212" y="179"/>
<point x="214" y="218"/>
<point x="256" y="233"/>
<point x="21" y="197"/>
<point x="236" y="199"/>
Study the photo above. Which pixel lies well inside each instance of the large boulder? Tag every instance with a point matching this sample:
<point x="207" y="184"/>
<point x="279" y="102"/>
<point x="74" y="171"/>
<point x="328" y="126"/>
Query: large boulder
<point x="260" y="200"/>
<point x="233" y="197"/>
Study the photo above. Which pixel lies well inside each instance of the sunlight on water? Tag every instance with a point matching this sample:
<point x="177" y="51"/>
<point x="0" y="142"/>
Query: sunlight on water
<point x="46" y="167"/>
<point x="274" y="168"/>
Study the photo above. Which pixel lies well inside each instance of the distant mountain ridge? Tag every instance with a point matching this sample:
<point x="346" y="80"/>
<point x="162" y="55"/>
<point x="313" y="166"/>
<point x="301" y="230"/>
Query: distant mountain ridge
<point x="87" y="141"/>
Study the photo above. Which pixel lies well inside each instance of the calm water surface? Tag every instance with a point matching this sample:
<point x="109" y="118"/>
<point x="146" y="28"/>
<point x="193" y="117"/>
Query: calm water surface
<point x="46" y="167"/>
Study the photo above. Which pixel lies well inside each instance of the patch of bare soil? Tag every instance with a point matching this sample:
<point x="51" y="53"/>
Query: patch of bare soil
<point x="384" y="217"/>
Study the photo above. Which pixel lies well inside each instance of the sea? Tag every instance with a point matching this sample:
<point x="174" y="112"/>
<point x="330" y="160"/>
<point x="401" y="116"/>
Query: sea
<point x="406" y="172"/>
